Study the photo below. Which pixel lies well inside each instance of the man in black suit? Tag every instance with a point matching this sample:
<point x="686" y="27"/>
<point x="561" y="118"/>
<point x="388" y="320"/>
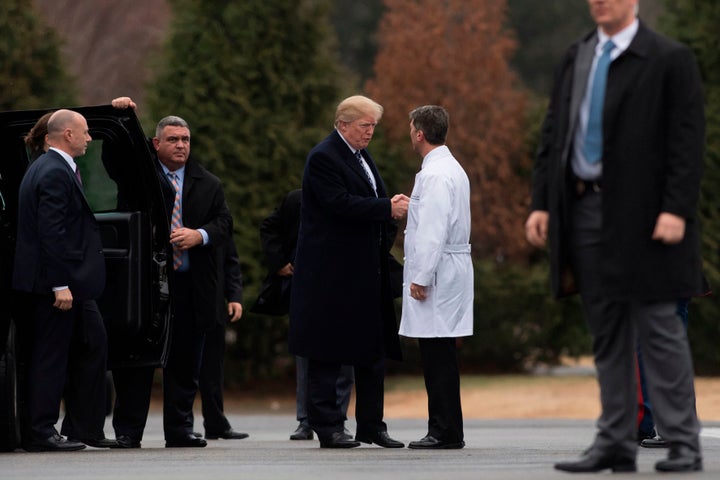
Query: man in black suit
<point x="341" y="308"/>
<point x="201" y="225"/>
<point x="60" y="264"/>
<point x="213" y="357"/>
<point x="615" y="189"/>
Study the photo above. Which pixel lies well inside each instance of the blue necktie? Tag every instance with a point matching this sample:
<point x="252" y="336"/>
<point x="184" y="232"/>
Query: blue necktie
<point x="592" y="148"/>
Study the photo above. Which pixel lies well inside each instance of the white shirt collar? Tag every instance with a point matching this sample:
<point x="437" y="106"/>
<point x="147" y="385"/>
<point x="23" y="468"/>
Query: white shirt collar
<point x="67" y="158"/>
<point x="622" y="39"/>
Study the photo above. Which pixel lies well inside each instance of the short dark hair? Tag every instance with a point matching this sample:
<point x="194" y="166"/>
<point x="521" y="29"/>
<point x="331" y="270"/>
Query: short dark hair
<point x="170" y="121"/>
<point x="433" y="121"/>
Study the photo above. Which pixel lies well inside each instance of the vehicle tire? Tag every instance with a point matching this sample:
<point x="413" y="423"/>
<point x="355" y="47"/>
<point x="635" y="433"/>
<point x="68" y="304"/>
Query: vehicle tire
<point x="9" y="424"/>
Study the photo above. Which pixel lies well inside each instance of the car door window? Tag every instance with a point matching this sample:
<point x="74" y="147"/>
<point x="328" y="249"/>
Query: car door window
<point x="100" y="189"/>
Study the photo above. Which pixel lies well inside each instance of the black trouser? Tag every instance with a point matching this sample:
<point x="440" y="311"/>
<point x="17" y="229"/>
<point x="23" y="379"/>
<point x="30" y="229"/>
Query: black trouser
<point x="180" y="376"/>
<point x="344" y="386"/>
<point x="326" y="416"/>
<point x="212" y="379"/>
<point x="182" y="371"/>
<point x="133" y="387"/>
<point x="442" y="382"/>
<point x="69" y="356"/>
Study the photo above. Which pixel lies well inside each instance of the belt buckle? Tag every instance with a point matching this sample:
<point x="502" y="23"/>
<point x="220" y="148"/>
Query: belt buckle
<point x="583" y="186"/>
<point x="580" y="187"/>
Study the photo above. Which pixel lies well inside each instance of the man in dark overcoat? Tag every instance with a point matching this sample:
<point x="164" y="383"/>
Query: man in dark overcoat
<point x="212" y="367"/>
<point x="279" y="235"/>
<point x="617" y="199"/>
<point x="341" y="308"/>
<point x="201" y="227"/>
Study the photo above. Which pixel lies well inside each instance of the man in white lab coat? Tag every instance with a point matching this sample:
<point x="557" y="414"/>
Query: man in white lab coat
<point x="438" y="274"/>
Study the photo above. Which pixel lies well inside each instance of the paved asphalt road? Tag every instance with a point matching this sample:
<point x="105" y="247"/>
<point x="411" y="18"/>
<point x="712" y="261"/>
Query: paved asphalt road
<point x="496" y="449"/>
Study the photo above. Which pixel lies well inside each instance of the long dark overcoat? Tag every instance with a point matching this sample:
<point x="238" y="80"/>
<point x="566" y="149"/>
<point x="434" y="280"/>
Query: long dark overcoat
<point x="203" y="206"/>
<point x="653" y="147"/>
<point x="341" y="307"/>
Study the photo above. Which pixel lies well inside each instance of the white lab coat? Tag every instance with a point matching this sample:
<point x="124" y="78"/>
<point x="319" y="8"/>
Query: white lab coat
<point x="437" y="251"/>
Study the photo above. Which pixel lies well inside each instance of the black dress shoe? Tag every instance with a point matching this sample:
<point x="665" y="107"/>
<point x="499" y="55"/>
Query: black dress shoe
<point x="381" y="439"/>
<point x="97" y="443"/>
<point x="188" y="441"/>
<point x="593" y="461"/>
<point x="338" y="440"/>
<point x="655" y="442"/>
<point x="430" y="442"/>
<point x="680" y="459"/>
<point x="228" y="434"/>
<point x="644" y="436"/>
<point x="54" y="443"/>
<point x="302" y="432"/>
<point x="125" y="441"/>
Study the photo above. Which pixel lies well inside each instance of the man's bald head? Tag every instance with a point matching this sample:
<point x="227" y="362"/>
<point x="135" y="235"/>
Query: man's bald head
<point x="68" y="131"/>
<point x="61" y="120"/>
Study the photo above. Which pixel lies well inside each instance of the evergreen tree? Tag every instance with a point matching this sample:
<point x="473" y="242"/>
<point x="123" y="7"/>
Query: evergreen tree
<point x="355" y="26"/>
<point x="695" y="23"/>
<point x="31" y="70"/>
<point x="544" y="30"/>
<point x="257" y="84"/>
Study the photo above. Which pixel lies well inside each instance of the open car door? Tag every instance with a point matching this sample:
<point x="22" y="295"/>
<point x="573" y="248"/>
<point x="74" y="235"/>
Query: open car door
<point x="122" y="187"/>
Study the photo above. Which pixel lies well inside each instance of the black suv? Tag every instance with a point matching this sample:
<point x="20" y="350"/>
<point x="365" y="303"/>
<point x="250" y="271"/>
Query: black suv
<point x="122" y="187"/>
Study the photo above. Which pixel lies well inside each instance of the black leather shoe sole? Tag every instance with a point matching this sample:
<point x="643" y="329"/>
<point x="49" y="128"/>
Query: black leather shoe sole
<point x="436" y="446"/>
<point x="227" y="436"/>
<point x="386" y="442"/>
<point x="100" y="443"/>
<point x="584" y="466"/>
<point x="429" y="442"/>
<point x="186" y="443"/>
<point x="53" y="446"/>
<point x="302" y="434"/>
<point x="339" y="444"/>
<point x="654" y="443"/>
<point x="124" y="441"/>
<point x="678" y="465"/>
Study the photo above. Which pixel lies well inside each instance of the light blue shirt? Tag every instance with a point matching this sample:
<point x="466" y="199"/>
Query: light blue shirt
<point x="580" y="165"/>
<point x="69" y="159"/>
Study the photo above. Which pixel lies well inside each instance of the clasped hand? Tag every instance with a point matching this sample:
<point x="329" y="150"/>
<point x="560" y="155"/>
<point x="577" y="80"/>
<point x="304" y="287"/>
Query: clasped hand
<point x="185" y="238"/>
<point x="399" y="206"/>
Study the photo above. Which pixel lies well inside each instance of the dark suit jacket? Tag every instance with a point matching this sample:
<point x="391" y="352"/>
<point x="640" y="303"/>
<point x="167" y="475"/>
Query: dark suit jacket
<point x="278" y="234"/>
<point x="232" y="277"/>
<point x="653" y="127"/>
<point x="203" y="206"/>
<point x="341" y="305"/>
<point x="58" y="239"/>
